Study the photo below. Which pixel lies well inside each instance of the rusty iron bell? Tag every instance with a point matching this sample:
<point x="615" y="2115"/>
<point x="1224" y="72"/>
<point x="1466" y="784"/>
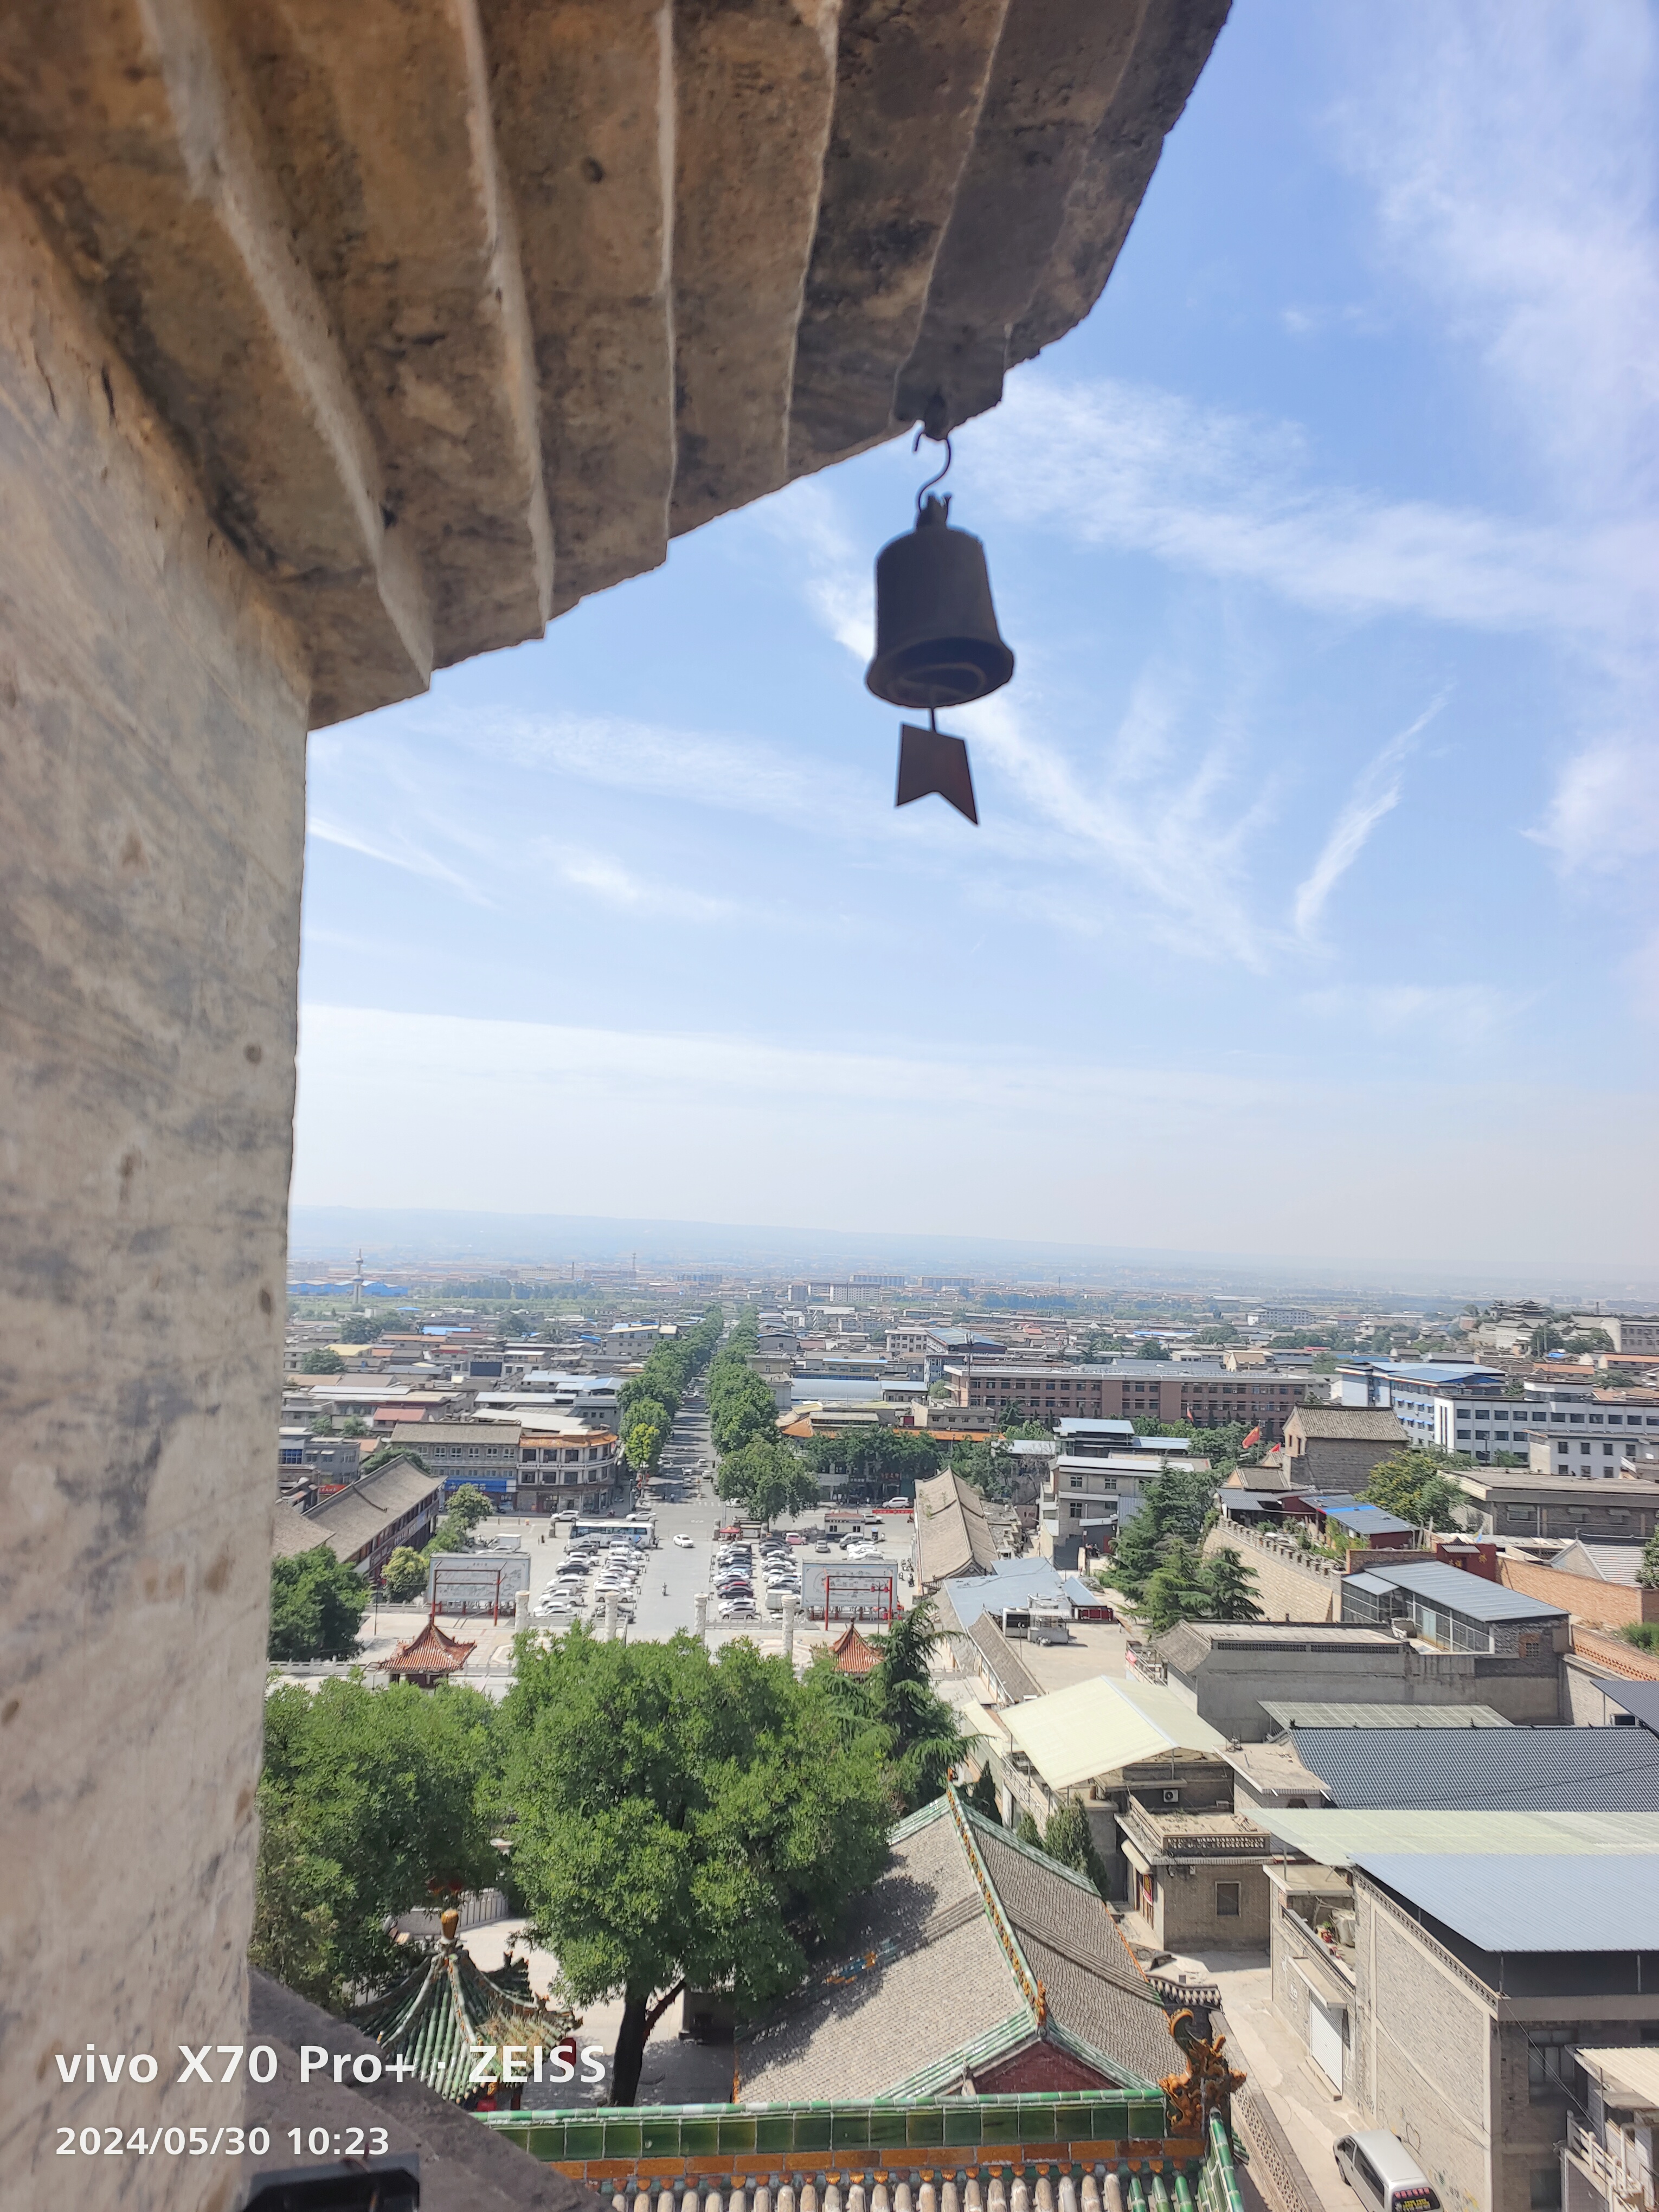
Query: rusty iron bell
<point x="936" y="640"/>
<point x="937" y="645"/>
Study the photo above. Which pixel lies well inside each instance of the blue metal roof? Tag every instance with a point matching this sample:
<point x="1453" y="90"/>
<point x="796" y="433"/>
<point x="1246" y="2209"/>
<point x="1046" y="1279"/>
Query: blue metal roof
<point x="1520" y="1903"/>
<point x="1458" y="1591"/>
<point x="1515" y="1770"/>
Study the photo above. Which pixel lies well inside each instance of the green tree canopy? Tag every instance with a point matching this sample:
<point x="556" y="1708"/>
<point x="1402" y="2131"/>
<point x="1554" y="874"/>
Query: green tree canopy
<point x="1176" y="1589"/>
<point x="367" y="1795"/>
<point x="925" y="1742"/>
<point x="325" y="1362"/>
<point x="1068" y="1839"/>
<point x="468" y="1505"/>
<point x="317" y="1604"/>
<point x="766" y="1477"/>
<point x="682" y="1817"/>
<point x="388" y="1455"/>
<point x="1230" y="1586"/>
<point x="1414" y="1485"/>
<point x="990" y="1470"/>
<point x="406" y="1574"/>
<point x="1647" y="1571"/>
<point x="983" y="1795"/>
<point x="1174" y="1507"/>
<point x="868" y="1459"/>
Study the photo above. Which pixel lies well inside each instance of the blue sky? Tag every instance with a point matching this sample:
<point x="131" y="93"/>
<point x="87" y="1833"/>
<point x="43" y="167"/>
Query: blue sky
<point x="1313" y="906"/>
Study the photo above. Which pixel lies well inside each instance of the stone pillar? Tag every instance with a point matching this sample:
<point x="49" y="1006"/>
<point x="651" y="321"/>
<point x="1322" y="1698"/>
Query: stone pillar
<point x="613" y="1617"/>
<point x="789" y="1610"/>
<point x="700" y="1604"/>
<point x="153" y="712"/>
<point x="521" y="1609"/>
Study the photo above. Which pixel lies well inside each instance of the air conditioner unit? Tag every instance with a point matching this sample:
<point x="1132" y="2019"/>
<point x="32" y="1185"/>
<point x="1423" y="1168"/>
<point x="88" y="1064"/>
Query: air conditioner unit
<point x="1401" y="1626"/>
<point x="1170" y="1797"/>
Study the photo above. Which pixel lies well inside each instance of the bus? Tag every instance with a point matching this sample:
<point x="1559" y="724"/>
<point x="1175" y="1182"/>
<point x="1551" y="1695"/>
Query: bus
<point x="639" y="1528"/>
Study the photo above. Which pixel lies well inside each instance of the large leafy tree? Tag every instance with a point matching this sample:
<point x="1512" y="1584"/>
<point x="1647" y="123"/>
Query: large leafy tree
<point x="866" y="1458"/>
<point x="367" y="1797"/>
<point x="1414" y="1485"/>
<point x="766" y="1477"/>
<point x="1647" y="1570"/>
<point x="317" y="1605"/>
<point x="406" y="1574"/>
<point x="325" y="1362"/>
<point x="683" y="1818"/>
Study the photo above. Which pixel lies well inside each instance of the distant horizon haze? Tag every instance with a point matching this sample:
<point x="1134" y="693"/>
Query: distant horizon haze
<point x="331" y="1235"/>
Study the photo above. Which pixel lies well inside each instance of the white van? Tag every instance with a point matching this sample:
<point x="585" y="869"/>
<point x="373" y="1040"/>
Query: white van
<point x="1383" y="2173"/>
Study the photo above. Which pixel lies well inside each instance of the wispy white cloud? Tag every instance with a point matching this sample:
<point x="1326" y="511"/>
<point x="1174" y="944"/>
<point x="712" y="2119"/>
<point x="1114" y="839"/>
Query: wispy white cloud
<point x="1375" y="793"/>
<point x="1467" y="1014"/>
<point x="1514" y="158"/>
<point x="746" y="775"/>
<point x="614" y="886"/>
<point x="837" y="574"/>
<point x="397" y="851"/>
<point x="1115" y="464"/>
<point x="1516" y="165"/>
<point x="1140" y="829"/>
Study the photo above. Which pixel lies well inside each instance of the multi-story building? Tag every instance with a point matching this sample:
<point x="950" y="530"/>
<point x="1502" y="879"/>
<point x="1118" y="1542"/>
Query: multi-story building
<point x="1475" y="1981"/>
<point x="1523" y="1502"/>
<point x="1155" y="1389"/>
<point x="568" y="1464"/>
<point x="1628" y="1333"/>
<point x="1458" y="1408"/>
<point x="1595" y="1435"/>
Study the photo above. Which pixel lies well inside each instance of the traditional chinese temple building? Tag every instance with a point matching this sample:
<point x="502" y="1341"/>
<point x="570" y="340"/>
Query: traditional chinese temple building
<point x="429" y="1658"/>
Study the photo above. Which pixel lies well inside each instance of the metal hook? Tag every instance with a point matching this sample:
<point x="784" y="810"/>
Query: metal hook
<point x="916" y="448"/>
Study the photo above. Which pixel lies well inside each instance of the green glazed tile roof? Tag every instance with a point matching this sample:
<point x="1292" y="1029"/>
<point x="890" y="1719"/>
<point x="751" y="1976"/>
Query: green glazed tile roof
<point x="436" y="2015"/>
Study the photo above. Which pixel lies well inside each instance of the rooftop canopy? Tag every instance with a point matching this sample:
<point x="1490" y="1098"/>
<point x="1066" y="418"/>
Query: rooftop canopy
<point x="1542" y="1903"/>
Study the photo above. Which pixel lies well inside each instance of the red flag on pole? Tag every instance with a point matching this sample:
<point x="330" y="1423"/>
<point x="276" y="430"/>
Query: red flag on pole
<point x="1254" y="1438"/>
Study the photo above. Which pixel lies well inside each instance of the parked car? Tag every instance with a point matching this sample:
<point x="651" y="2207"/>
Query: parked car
<point x="1383" y="2173"/>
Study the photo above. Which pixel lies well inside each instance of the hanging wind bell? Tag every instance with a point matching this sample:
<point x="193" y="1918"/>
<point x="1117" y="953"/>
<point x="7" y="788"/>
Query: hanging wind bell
<point x="937" y="643"/>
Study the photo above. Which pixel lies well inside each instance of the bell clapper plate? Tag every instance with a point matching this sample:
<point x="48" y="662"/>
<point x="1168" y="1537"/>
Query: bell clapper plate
<point x="932" y="761"/>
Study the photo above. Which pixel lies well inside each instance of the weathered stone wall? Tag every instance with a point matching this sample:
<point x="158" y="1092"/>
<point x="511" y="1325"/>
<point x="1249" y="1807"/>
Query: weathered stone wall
<point x="1287" y="1588"/>
<point x="152" y="757"/>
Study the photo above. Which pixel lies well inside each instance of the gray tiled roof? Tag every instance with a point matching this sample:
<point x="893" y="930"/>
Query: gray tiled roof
<point x="354" y="1518"/>
<point x="939" y="1988"/>
<point x="1007" y="1669"/>
<point x="1373" y="1424"/>
<point x="951" y="1534"/>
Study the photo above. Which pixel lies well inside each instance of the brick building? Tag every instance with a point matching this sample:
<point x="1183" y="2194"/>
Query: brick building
<point x="1203" y="1392"/>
